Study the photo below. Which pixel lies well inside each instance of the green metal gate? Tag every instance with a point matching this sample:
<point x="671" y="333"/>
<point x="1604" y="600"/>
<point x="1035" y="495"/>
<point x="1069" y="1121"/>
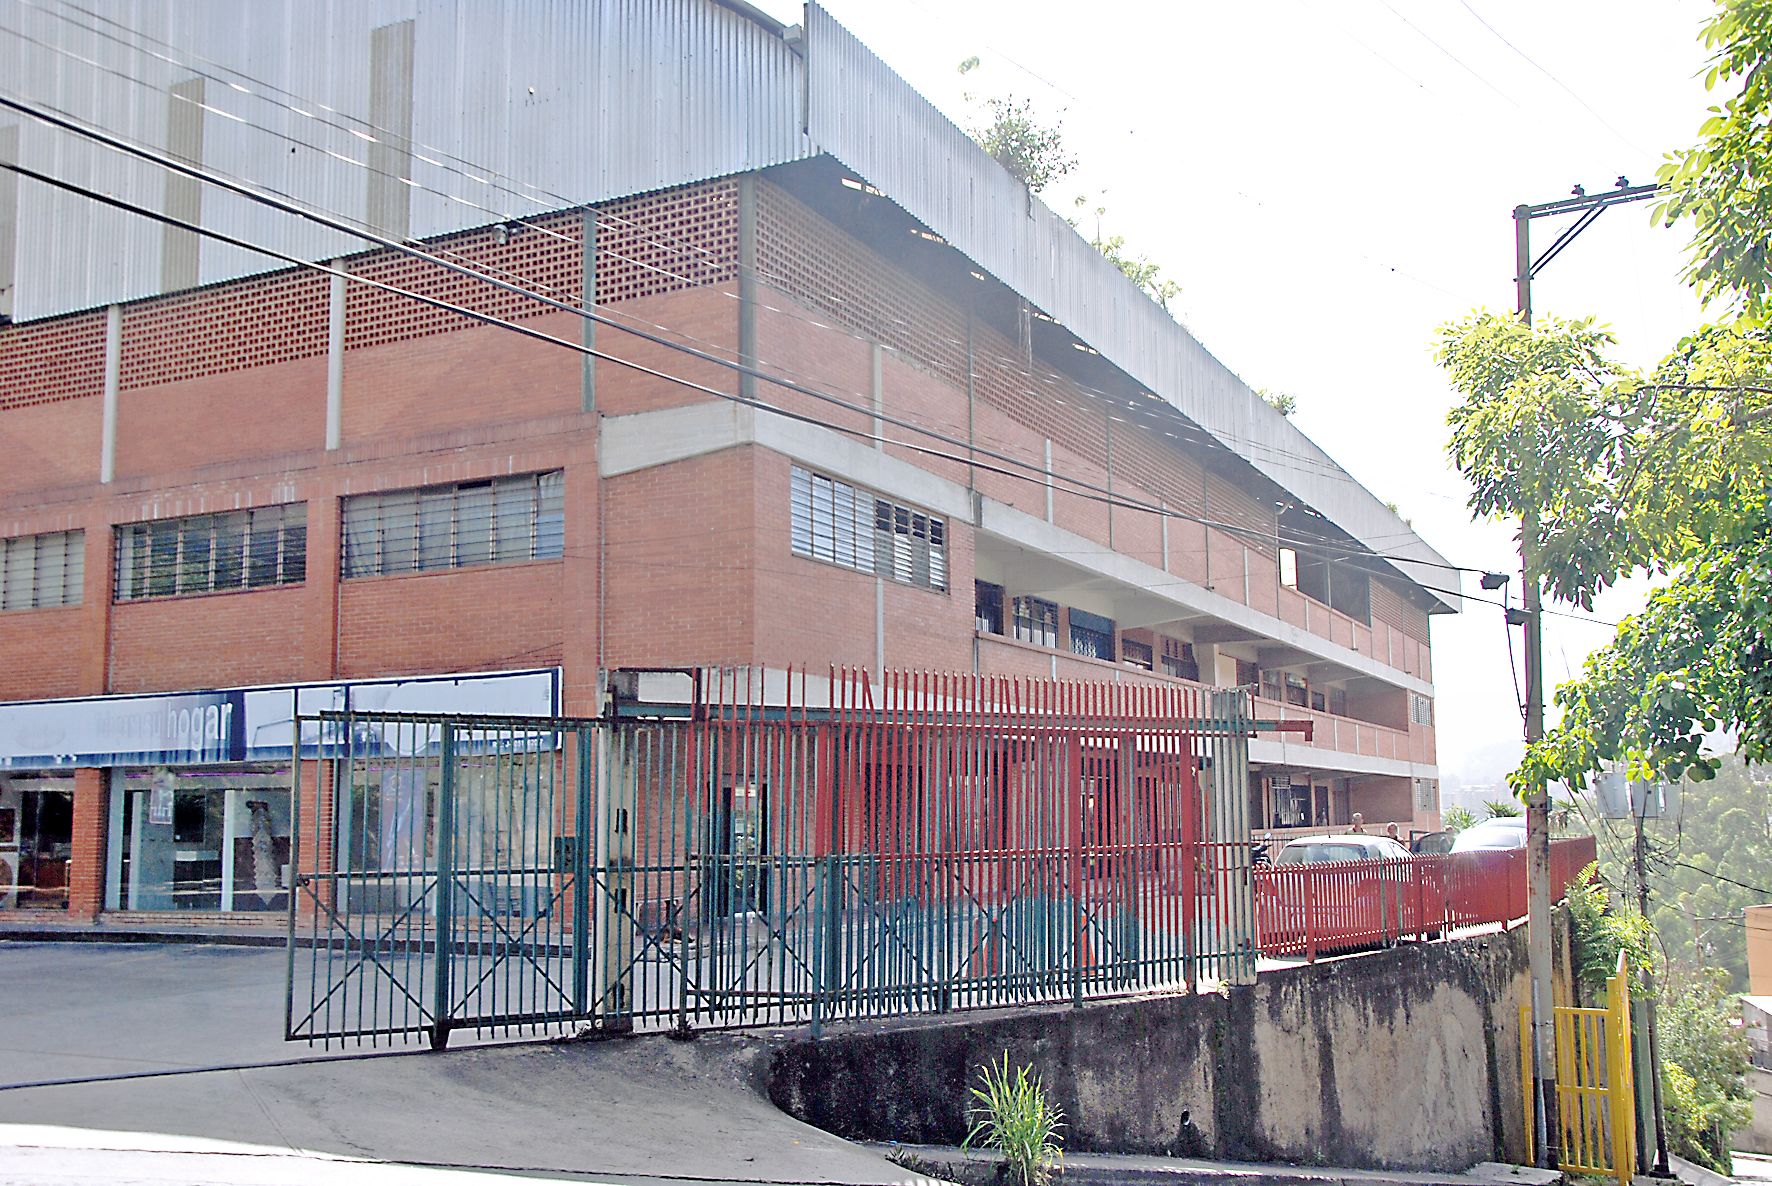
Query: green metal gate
<point x="912" y="847"/>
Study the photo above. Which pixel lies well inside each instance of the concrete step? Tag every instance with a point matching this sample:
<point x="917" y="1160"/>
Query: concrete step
<point x="977" y="1167"/>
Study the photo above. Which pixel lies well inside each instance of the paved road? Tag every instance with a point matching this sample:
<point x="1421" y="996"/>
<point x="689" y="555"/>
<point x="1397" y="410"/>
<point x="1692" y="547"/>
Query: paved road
<point x="636" y="1109"/>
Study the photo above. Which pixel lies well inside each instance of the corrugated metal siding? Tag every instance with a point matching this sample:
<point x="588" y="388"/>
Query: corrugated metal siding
<point x="869" y="118"/>
<point x="629" y="96"/>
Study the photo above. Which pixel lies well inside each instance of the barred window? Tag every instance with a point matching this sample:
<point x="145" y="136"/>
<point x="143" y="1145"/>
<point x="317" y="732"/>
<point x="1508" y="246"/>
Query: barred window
<point x="1092" y="635"/>
<point x="1137" y="654"/>
<point x="1036" y="621"/>
<point x="987" y="612"/>
<point x="496" y="521"/>
<point x="834" y="521"/>
<point x="251" y="549"/>
<point x="1421" y="710"/>
<point x="1426" y="794"/>
<point x="42" y="571"/>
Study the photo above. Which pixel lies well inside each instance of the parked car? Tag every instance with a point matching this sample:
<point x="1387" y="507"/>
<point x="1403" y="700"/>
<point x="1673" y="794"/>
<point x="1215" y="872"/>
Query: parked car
<point x="1507" y="831"/>
<point x="1311" y="850"/>
<point x="1433" y="843"/>
<point x="1326" y="893"/>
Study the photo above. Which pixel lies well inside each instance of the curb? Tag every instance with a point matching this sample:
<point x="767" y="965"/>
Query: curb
<point x="18" y="934"/>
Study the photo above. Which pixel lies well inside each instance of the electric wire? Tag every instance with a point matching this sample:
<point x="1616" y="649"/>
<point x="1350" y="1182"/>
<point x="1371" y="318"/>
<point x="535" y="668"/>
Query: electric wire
<point x="1085" y="490"/>
<point x="1320" y="465"/>
<point x="60" y="119"/>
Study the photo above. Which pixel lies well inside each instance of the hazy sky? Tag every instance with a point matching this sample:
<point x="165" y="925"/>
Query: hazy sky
<point x="1332" y="180"/>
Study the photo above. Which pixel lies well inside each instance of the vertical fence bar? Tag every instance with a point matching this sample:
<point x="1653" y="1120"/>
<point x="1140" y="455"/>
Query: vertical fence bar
<point x="442" y="1006"/>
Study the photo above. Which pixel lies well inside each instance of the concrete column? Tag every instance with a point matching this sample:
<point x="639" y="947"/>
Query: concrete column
<point x="747" y="282"/>
<point x="107" y="449"/>
<point x="335" y="361"/>
<point x="86" y="874"/>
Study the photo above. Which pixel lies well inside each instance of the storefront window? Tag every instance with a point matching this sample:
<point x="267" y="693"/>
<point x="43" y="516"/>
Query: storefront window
<point x="36" y="841"/>
<point x="195" y="839"/>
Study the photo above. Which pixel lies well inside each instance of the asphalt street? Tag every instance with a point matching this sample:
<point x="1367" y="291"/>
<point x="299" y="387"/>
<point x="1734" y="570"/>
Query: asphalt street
<point x="111" y="1038"/>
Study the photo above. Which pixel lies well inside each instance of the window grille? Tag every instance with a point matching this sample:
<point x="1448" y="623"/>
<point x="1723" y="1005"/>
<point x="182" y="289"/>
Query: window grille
<point x="1319" y="702"/>
<point x="834" y="521"/>
<point x="1178" y="659"/>
<point x="1036" y="621"/>
<point x="1421" y="710"/>
<point x="218" y="553"/>
<point x="1272" y="685"/>
<point x="1338" y="702"/>
<point x="1091" y="635"/>
<point x="1137" y="654"/>
<point x="42" y="571"/>
<point x="1426" y="796"/>
<point x="987" y="615"/>
<point x="1297" y="691"/>
<point x="497" y="521"/>
<point x="1248" y="674"/>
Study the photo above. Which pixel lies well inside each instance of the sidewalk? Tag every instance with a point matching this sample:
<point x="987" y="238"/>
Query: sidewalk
<point x="1112" y="1169"/>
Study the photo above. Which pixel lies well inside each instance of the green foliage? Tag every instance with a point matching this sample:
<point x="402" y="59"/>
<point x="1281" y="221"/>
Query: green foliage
<point x="1033" y="154"/>
<point x="1013" y="1116"/>
<point x="1285" y="403"/>
<point x="1140" y="270"/>
<point x="1600" y="931"/>
<point x="1458" y="818"/>
<point x="1703" y="1065"/>
<point x="1697" y="660"/>
<point x="1537" y="437"/>
<point x="1721" y="183"/>
<point x="1501" y="809"/>
<point x="1724" y="829"/>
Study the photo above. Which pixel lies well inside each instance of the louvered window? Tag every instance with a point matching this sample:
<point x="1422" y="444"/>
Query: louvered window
<point x="497" y="521"/>
<point x="836" y="522"/>
<point x="218" y="553"/>
<point x="42" y="571"/>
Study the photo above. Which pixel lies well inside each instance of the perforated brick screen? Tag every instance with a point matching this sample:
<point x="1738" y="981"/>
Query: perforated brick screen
<point x="667" y="241"/>
<point x="52" y="360"/>
<point x="251" y="323"/>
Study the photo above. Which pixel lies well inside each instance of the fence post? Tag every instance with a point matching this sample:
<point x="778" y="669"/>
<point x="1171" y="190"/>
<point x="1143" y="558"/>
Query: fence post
<point x="441" y="1005"/>
<point x="579" y="869"/>
<point x="1620" y="1079"/>
<point x="1310" y="914"/>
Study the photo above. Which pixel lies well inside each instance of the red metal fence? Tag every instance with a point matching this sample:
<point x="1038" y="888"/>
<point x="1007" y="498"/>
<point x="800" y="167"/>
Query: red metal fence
<point x="1333" y="906"/>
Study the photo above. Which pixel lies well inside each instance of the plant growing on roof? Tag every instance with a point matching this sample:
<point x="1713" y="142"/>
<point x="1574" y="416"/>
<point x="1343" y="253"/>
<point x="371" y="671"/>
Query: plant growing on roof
<point x="1033" y="153"/>
<point x="1013" y="1116"/>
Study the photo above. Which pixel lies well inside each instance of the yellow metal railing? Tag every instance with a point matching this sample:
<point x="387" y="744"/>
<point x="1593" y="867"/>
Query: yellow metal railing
<point x="1596" y="1101"/>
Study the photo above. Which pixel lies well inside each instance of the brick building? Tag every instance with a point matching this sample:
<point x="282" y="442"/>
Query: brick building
<point x="232" y="489"/>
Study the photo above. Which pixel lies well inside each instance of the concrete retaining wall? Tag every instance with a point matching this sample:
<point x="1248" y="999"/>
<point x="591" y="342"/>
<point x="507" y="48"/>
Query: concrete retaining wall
<point x="1402" y="1059"/>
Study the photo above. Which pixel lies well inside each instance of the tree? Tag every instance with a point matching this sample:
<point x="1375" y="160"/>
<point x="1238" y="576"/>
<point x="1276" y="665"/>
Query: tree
<point x="1691" y="476"/>
<point x="1033" y="154"/>
<point x="1721" y="183"/>
<point x="1537" y="435"/>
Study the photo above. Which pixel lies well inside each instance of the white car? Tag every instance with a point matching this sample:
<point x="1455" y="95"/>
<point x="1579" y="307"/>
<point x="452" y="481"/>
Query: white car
<point x="1311" y="850"/>
<point x="1508" y="831"/>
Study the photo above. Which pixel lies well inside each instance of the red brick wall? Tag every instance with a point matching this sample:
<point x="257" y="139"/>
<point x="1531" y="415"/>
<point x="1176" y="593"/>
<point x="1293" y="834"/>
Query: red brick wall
<point x="41" y="649"/>
<point x="208" y="641"/>
<point x="467" y="619"/>
<point x="86" y="875"/>
<point x="685" y="561"/>
<point x="233" y="416"/>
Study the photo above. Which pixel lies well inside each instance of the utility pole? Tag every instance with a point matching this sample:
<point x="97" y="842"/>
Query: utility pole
<point x="1640" y="809"/>
<point x="1538" y="892"/>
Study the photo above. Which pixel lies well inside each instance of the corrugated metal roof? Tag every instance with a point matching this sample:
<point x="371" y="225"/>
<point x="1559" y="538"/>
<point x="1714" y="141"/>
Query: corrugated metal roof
<point x="866" y="116"/>
<point x="521" y="106"/>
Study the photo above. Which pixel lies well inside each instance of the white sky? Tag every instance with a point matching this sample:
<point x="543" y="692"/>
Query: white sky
<point x="1330" y="181"/>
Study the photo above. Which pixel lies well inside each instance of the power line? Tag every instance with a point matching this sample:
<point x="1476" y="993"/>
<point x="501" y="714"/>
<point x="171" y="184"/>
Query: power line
<point x="69" y="124"/>
<point x="1548" y="75"/>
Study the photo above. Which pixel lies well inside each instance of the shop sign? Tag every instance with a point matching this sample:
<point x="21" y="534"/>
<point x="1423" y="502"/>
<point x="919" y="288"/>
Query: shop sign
<point x="244" y="725"/>
<point x="125" y="730"/>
